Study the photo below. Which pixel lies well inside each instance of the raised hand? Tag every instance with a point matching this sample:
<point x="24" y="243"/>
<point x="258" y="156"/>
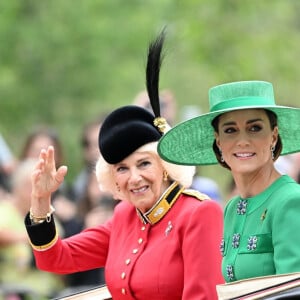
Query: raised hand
<point x="45" y="178"/>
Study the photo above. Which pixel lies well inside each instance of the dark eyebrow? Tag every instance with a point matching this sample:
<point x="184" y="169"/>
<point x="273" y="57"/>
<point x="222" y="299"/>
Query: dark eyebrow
<point x="254" y="120"/>
<point x="248" y="122"/>
<point x="228" y="123"/>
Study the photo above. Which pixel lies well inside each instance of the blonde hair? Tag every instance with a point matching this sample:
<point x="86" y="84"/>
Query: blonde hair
<point x="183" y="174"/>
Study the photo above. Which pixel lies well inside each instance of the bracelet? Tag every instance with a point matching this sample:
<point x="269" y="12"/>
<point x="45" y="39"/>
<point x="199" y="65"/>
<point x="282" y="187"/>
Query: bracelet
<point x="41" y="219"/>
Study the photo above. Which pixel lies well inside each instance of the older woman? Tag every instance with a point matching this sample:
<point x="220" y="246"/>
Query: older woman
<point x="245" y="131"/>
<point x="163" y="239"/>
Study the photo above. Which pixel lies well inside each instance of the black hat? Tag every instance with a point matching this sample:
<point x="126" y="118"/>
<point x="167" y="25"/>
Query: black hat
<point x="125" y="130"/>
<point x="128" y="128"/>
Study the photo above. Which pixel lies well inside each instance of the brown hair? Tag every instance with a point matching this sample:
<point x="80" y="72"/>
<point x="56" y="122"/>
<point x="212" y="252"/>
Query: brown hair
<point x="52" y="135"/>
<point x="273" y="123"/>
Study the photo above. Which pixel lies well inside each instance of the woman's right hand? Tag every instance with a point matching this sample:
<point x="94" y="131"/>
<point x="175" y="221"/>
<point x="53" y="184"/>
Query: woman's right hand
<point x="45" y="180"/>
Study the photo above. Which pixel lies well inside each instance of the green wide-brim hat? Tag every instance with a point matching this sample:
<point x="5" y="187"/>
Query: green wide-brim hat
<point x="191" y="142"/>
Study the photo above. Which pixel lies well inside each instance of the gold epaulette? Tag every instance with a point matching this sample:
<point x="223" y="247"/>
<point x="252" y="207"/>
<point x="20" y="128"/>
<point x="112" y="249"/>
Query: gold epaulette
<point x="194" y="193"/>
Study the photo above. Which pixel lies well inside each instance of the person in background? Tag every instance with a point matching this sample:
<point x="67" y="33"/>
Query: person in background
<point x="18" y="275"/>
<point x="245" y="132"/>
<point x="8" y="162"/>
<point x="90" y="152"/>
<point x="92" y="199"/>
<point x="41" y="138"/>
<point x="163" y="239"/>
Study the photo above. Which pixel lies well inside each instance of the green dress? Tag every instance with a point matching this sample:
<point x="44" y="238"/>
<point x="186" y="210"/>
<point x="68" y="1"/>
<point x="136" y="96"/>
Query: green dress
<point x="262" y="233"/>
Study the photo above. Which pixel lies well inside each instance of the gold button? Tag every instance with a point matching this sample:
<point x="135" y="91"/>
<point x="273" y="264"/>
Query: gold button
<point x="134" y="251"/>
<point x="123" y="275"/>
<point x="127" y="261"/>
<point x="123" y="291"/>
<point x="143" y="228"/>
<point x="140" y="240"/>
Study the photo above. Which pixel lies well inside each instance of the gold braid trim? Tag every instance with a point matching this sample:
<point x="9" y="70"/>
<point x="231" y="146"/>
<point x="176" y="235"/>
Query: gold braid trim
<point x="46" y="246"/>
<point x="194" y="193"/>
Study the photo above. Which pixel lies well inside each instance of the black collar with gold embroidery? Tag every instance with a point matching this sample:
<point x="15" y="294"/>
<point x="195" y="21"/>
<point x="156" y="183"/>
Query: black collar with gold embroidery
<point x="162" y="206"/>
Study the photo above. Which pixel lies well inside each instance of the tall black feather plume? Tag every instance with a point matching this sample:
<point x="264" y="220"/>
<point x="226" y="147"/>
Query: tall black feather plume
<point x="152" y="71"/>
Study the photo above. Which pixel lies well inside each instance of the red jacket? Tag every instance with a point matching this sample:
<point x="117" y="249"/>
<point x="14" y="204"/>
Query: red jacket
<point x="178" y="257"/>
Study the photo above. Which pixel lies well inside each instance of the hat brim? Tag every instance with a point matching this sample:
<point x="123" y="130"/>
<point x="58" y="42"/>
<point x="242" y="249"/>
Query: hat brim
<point x="191" y="142"/>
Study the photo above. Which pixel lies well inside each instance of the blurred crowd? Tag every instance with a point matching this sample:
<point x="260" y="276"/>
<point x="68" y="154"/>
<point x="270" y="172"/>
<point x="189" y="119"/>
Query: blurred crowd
<point x="78" y="205"/>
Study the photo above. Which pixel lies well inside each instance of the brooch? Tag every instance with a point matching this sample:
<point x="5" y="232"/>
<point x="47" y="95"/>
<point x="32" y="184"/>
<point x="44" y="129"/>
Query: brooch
<point x="230" y="272"/>
<point x="236" y="240"/>
<point x="169" y="228"/>
<point x="241" y="207"/>
<point x="252" y="243"/>
<point x="263" y="216"/>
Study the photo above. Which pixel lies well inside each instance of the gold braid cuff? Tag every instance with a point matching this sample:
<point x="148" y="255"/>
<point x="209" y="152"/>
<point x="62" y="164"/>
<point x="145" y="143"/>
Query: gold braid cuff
<point x="46" y="246"/>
